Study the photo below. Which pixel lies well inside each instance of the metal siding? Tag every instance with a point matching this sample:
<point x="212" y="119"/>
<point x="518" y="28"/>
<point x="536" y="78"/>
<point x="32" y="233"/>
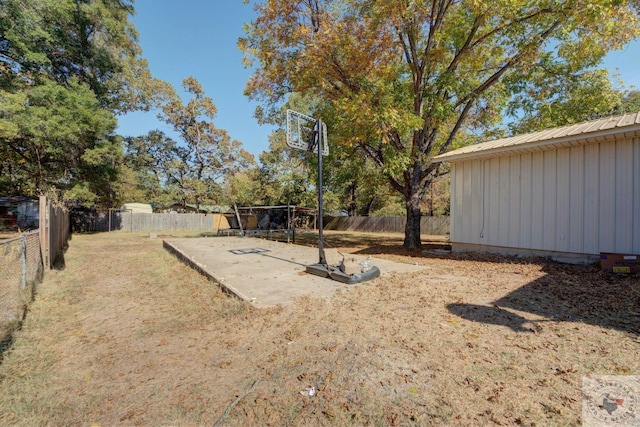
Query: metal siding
<point x="635" y="226"/>
<point x="493" y="215"/>
<point x="514" y="202"/>
<point x="525" y="200"/>
<point x="476" y="201"/>
<point x="623" y="192"/>
<point x="549" y="201"/>
<point x="467" y="209"/>
<point x="591" y="198"/>
<point x="456" y="208"/>
<point x="606" y="225"/>
<point x="563" y="197"/>
<point x="577" y="201"/>
<point x="503" y="210"/>
<point x="537" y="200"/>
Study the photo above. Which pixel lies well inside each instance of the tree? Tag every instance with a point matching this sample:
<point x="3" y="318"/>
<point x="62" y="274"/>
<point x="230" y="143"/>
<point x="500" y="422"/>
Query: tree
<point x="554" y="97"/>
<point x="208" y="155"/>
<point x="57" y="136"/>
<point x="405" y="78"/>
<point x="67" y="67"/>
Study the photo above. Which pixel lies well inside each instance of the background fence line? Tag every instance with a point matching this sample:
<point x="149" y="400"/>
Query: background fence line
<point x="431" y="225"/>
<point x="140" y="222"/>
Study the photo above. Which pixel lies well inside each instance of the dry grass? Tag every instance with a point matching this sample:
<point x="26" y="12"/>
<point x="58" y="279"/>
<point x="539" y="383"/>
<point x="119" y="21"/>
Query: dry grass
<point x="127" y="335"/>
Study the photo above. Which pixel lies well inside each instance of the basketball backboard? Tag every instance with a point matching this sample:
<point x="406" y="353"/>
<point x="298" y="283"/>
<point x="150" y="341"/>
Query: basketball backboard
<point x="301" y="135"/>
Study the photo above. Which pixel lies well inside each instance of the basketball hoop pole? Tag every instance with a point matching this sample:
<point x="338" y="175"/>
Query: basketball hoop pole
<point x="317" y="130"/>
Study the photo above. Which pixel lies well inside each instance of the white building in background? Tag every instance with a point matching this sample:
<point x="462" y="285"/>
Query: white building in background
<point x="569" y="192"/>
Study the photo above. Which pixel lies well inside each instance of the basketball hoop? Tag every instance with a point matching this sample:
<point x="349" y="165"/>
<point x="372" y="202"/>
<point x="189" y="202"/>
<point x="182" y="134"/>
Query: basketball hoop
<point x="303" y="133"/>
<point x="308" y="134"/>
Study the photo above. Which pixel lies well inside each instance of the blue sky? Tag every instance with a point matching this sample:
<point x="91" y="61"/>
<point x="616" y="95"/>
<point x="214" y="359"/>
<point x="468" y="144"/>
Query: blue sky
<point x="199" y="38"/>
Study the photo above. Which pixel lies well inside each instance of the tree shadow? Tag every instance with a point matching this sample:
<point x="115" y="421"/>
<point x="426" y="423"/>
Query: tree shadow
<point x="566" y="293"/>
<point x="493" y="315"/>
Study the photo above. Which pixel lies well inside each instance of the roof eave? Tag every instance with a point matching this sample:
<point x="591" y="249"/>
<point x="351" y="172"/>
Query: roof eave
<point x="562" y="142"/>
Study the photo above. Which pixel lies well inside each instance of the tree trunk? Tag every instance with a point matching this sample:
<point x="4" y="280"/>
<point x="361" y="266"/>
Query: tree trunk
<point x="352" y="206"/>
<point x="412" y="228"/>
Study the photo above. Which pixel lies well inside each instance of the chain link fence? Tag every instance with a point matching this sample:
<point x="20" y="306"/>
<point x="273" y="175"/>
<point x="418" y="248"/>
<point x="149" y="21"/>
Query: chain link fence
<point x="21" y="267"/>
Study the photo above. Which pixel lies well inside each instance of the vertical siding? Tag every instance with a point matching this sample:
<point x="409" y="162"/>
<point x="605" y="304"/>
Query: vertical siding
<point x="537" y="207"/>
<point x="526" y="201"/>
<point x="592" y="198"/>
<point x="502" y="213"/>
<point x="476" y="202"/>
<point x="623" y="196"/>
<point x="549" y="200"/>
<point x="467" y="212"/>
<point x="456" y="202"/>
<point x="583" y="199"/>
<point x="493" y="208"/>
<point x="635" y="196"/>
<point x="563" y="200"/>
<point x="514" y="196"/>
<point x="607" y="200"/>
<point x="575" y="235"/>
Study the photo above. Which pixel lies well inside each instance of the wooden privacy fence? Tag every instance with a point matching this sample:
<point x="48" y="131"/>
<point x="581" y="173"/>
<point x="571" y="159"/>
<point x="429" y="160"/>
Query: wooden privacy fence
<point x="135" y="222"/>
<point x="166" y="221"/>
<point x="55" y="230"/>
<point x="431" y="225"/>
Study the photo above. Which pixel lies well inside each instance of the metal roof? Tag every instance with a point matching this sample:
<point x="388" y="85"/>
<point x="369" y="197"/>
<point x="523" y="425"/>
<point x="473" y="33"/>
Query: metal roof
<point x="595" y="131"/>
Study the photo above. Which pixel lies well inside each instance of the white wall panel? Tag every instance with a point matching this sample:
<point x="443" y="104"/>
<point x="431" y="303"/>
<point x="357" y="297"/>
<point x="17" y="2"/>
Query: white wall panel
<point x="537" y="194"/>
<point x="591" y="198"/>
<point x="583" y="199"/>
<point x="623" y="197"/>
<point x="549" y="201"/>
<point x="607" y="202"/>
<point x="513" y="239"/>
<point x="577" y="201"/>
<point x="493" y="218"/>
<point x="476" y="202"/>
<point x="503" y="208"/>
<point x="562" y="206"/>
<point x="635" y="195"/>
<point x="526" y="210"/>
<point x="467" y="211"/>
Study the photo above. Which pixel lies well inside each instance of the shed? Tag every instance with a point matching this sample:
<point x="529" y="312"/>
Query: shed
<point x="137" y="207"/>
<point x="19" y="211"/>
<point x="569" y="193"/>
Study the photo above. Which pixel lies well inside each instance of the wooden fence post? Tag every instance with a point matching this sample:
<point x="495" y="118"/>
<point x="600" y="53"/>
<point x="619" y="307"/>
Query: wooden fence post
<point x="43" y="224"/>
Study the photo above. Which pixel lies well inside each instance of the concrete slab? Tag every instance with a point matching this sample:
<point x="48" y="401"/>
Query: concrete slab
<point x="267" y="273"/>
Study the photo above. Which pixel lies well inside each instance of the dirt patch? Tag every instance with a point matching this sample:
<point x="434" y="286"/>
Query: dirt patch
<point x="127" y="335"/>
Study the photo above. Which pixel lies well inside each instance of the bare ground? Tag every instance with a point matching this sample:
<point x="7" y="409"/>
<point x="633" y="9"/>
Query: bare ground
<point x="127" y="335"/>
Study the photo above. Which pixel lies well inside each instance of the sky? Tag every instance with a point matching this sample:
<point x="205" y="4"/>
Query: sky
<point x="199" y="38"/>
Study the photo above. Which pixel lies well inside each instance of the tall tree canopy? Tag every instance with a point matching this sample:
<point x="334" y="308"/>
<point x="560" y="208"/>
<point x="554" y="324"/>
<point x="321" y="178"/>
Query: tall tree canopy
<point x="406" y="78"/>
<point x="67" y="67"/>
<point x="193" y="169"/>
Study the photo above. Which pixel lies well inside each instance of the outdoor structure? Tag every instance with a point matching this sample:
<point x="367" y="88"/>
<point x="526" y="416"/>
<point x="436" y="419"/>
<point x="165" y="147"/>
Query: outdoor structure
<point x="569" y="193"/>
<point x="193" y="208"/>
<point x="137" y="207"/>
<point x="263" y="221"/>
<point x="19" y="211"/>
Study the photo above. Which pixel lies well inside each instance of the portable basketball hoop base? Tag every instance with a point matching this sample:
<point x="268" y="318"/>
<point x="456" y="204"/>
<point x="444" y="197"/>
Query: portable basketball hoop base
<point x="308" y="134"/>
<point x="331" y="272"/>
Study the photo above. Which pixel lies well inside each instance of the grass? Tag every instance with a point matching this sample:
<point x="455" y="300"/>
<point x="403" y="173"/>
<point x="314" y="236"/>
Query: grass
<point x="127" y="335"/>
